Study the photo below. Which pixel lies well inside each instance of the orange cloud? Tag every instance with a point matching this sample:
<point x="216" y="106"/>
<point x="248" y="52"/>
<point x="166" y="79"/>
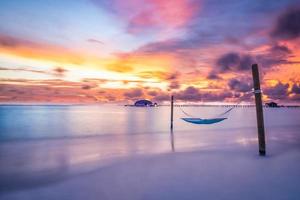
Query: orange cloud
<point x="28" y="49"/>
<point x="136" y="62"/>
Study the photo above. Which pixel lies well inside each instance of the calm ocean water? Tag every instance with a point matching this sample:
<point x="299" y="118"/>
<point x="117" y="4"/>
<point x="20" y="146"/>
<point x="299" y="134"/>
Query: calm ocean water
<point x="37" y="122"/>
<point x="38" y="143"/>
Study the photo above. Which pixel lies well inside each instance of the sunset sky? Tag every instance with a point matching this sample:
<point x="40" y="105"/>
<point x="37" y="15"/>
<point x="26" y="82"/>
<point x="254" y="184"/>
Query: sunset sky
<point x="86" y="51"/>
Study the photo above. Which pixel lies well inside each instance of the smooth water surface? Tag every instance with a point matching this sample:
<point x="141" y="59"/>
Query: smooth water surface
<point x="41" y="143"/>
<point x="36" y="122"/>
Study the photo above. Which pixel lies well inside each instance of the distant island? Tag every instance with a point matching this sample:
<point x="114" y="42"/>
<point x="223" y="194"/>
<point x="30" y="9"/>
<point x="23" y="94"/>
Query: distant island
<point x="272" y="105"/>
<point x="143" y="103"/>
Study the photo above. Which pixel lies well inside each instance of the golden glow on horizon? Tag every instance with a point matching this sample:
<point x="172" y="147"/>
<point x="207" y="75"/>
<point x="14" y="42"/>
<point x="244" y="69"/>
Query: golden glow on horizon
<point x="145" y="71"/>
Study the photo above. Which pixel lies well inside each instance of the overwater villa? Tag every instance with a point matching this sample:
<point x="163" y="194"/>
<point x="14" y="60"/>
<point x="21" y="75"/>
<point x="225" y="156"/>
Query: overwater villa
<point x="144" y="103"/>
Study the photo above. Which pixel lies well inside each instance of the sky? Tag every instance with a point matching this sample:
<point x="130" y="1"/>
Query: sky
<point x="88" y="51"/>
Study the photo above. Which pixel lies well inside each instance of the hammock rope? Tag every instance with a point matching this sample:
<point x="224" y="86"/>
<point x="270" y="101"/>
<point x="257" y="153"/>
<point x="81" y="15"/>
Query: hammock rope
<point x="196" y="120"/>
<point x="187" y="114"/>
<point x="220" y="115"/>
<point x="233" y="107"/>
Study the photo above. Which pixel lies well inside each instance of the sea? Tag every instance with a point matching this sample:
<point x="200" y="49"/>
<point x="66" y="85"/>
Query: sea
<point x="41" y="142"/>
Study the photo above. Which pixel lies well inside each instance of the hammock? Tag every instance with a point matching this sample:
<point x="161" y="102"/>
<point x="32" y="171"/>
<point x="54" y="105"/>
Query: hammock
<point x="197" y="120"/>
<point x="203" y="121"/>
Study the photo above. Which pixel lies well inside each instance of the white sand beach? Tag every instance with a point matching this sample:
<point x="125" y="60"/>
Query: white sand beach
<point x="231" y="172"/>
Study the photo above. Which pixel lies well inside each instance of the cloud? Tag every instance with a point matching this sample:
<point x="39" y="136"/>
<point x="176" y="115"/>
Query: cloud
<point x="23" y="69"/>
<point x="193" y="94"/>
<point x="110" y="98"/>
<point x="189" y="94"/>
<point x="213" y="76"/>
<point x="295" y="92"/>
<point x="227" y="61"/>
<point x="120" y="66"/>
<point x="12" y="42"/>
<point x="208" y="27"/>
<point x="240" y="85"/>
<point x="34" y="49"/>
<point x="295" y="98"/>
<point x="8" y="42"/>
<point x="238" y="62"/>
<point x="274" y="56"/>
<point x="152" y="93"/>
<point x="277" y="92"/>
<point x="234" y="62"/>
<point x="125" y="81"/>
<point x="86" y="87"/>
<point x="145" y="15"/>
<point x="101" y="92"/>
<point x="57" y="71"/>
<point x="213" y="96"/>
<point x="296" y="88"/>
<point x="174" y="85"/>
<point x="55" y="90"/>
<point x="161" y="75"/>
<point x="172" y="75"/>
<point x="205" y="31"/>
<point x="23" y="90"/>
<point x="133" y="93"/>
<point x="280" y="50"/>
<point x="162" y="97"/>
<point x="287" y="25"/>
<point x="91" y="40"/>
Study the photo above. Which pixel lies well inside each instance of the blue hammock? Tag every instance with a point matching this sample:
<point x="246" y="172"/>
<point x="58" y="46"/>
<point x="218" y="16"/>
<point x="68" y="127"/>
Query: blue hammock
<point x="197" y="120"/>
<point x="203" y="121"/>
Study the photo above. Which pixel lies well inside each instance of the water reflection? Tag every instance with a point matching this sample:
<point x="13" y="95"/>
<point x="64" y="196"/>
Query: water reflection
<point x="172" y="140"/>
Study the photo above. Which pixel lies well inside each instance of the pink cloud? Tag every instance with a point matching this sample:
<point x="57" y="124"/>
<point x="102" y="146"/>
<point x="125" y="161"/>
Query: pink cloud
<point x="143" y="15"/>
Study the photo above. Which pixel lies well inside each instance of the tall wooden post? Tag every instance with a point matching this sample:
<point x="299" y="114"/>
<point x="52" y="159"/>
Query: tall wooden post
<point x="172" y="110"/>
<point x="259" y="111"/>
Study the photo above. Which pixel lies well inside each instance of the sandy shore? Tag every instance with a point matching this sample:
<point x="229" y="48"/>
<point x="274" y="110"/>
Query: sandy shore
<point x="224" y="173"/>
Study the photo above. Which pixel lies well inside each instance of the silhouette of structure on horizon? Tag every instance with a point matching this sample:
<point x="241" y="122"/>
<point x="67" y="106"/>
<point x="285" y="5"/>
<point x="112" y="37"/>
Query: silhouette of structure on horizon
<point x="272" y="105"/>
<point x="144" y="103"/>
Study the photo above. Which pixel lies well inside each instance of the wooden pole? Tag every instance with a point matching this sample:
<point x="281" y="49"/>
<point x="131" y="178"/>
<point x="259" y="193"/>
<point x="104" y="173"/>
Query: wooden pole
<point x="259" y="111"/>
<point x="172" y="110"/>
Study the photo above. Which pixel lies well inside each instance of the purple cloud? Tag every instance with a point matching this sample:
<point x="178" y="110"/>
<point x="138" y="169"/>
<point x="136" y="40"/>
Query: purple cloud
<point x="213" y="76"/>
<point x="133" y="93"/>
<point x="193" y="94"/>
<point x="277" y="92"/>
<point x="234" y="62"/>
<point x="296" y="88"/>
<point x="288" y="24"/>
<point x="162" y="97"/>
<point x="237" y="62"/>
<point x="240" y="85"/>
<point x="280" y="50"/>
<point x="13" y="42"/>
